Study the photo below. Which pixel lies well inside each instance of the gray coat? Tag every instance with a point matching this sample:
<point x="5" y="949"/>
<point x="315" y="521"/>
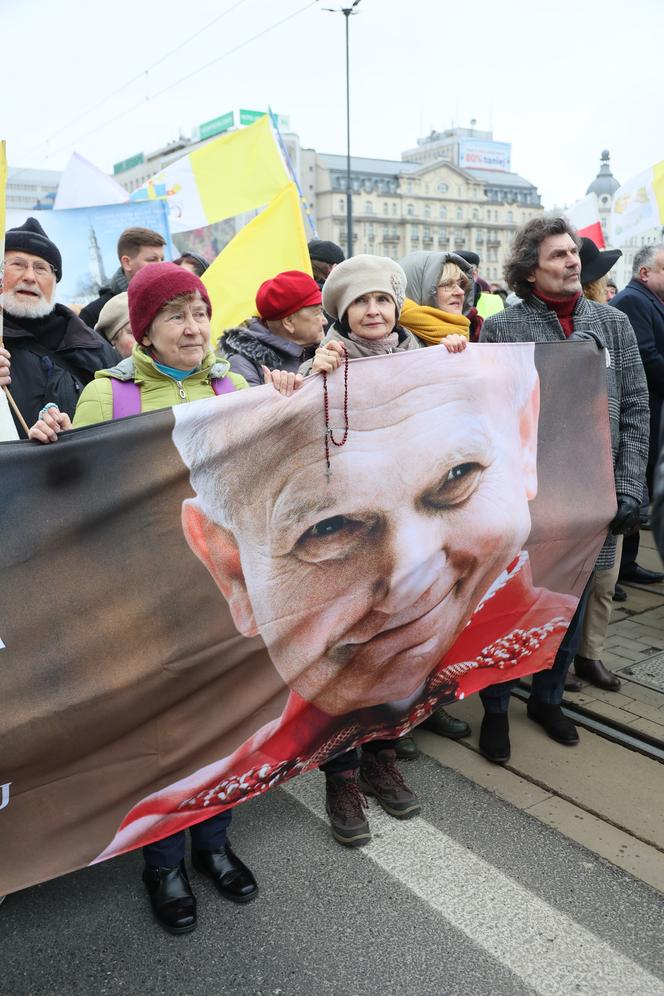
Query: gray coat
<point x="531" y="321"/>
<point x="250" y="346"/>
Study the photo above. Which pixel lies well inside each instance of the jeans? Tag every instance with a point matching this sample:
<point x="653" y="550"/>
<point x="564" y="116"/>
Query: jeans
<point x="548" y="685"/>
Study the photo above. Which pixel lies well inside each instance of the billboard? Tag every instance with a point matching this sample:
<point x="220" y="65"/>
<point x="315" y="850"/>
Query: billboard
<point x="474" y="154"/>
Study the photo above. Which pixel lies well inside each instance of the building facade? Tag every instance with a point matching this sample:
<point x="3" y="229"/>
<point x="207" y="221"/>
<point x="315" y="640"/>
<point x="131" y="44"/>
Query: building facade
<point x="400" y="206"/>
<point x="31" y="189"/>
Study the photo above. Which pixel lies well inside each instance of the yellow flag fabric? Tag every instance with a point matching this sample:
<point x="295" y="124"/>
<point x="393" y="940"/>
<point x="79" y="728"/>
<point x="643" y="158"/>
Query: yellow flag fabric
<point x="239" y="172"/>
<point x="3" y="190"/>
<point x="235" y="173"/>
<point x="272" y="242"/>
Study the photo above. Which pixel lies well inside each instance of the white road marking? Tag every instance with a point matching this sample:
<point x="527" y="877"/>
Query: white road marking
<point x="547" y="949"/>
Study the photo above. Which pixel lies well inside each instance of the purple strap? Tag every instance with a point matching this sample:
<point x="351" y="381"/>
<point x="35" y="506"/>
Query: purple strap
<point x="127" y="394"/>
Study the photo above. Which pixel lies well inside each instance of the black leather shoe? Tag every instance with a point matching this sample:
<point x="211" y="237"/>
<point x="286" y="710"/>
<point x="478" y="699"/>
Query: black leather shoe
<point x="554" y="721"/>
<point x="596" y="673"/>
<point x="640" y="575"/>
<point x="444" y="725"/>
<point x="229" y="874"/>
<point x="573" y="684"/>
<point x="495" y="737"/>
<point x="406" y="748"/>
<point x="619" y="594"/>
<point x="173" y="902"/>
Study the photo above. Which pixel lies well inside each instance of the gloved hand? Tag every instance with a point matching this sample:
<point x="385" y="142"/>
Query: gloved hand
<point x="626" y="519"/>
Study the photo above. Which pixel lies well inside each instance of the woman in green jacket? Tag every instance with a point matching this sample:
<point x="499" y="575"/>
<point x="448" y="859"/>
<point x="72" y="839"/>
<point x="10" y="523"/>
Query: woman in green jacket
<point x="172" y="362"/>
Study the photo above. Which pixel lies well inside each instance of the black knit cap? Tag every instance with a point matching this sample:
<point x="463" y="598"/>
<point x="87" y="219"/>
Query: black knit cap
<point x="325" y="252"/>
<point x="469" y="256"/>
<point x="31" y="237"/>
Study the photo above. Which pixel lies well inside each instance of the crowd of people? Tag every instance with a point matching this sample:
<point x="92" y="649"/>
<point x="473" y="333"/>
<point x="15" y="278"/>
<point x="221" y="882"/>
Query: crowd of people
<point x="145" y="344"/>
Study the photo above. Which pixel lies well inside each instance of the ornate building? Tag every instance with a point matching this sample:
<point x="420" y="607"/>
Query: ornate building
<point x="400" y="206"/>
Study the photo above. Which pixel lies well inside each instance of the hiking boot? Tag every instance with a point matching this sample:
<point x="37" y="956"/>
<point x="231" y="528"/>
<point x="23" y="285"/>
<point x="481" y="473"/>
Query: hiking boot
<point x="345" y="805"/>
<point x="554" y="721"/>
<point x="444" y="725"/>
<point x="495" y="737"/>
<point x="380" y="777"/>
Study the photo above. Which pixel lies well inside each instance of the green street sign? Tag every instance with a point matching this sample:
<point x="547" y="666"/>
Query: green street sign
<point x="216" y="126"/>
<point x="248" y="117"/>
<point x="128" y="163"/>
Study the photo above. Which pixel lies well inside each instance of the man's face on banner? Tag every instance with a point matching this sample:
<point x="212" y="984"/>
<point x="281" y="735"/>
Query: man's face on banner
<point x="360" y="584"/>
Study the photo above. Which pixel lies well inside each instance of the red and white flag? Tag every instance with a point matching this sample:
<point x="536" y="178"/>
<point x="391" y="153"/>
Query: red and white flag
<point x="585" y="218"/>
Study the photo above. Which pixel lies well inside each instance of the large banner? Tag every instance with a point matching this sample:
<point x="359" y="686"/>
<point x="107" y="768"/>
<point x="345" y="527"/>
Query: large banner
<point x="196" y="607"/>
<point x="87" y="237"/>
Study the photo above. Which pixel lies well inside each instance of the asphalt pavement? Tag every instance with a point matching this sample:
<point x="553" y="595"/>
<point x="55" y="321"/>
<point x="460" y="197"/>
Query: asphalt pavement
<point x="475" y="896"/>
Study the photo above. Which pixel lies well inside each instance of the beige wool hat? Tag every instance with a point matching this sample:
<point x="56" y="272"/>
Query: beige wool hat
<point x="113" y="316"/>
<point x="360" y="275"/>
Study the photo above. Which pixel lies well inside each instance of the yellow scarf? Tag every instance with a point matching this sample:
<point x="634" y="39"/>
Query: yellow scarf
<point x="431" y="325"/>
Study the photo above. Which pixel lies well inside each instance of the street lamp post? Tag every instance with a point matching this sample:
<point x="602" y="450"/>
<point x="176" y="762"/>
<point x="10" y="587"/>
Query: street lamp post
<point x="347" y="12"/>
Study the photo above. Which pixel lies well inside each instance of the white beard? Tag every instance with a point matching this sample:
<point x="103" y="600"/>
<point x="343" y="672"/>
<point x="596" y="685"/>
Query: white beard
<point x="27" y="308"/>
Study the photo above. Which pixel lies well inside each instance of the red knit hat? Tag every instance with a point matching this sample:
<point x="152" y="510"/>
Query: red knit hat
<point x="285" y="294"/>
<point x="154" y="286"/>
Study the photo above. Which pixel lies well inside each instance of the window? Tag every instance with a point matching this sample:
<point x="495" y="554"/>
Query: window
<point x="459" y="214"/>
<point x="443" y="213"/>
<point x="342" y="206"/>
<point x="368" y="207"/>
<point x="410" y="210"/>
<point x="427" y="210"/>
<point x="394" y="210"/>
<point x="442" y="188"/>
<point x="386" y="208"/>
<point x="370" y="230"/>
<point x="510" y="217"/>
<point x="409" y="186"/>
<point x="476" y="214"/>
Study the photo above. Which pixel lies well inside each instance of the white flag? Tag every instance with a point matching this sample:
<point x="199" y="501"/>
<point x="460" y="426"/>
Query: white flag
<point x="83" y="185"/>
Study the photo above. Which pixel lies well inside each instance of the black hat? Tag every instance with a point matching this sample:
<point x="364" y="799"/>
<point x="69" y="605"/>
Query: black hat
<point x="326" y="252"/>
<point x="31" y="237"/>
<point x="203" y="264"/>
<point x="594" y="262"/>
<point x="469" y="256"/>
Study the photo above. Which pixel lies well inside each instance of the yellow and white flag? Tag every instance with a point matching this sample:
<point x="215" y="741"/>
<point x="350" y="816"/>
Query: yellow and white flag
<point x="272" y="242"/>
<point x="7" y="427"/>
<point x="238" y="172"/>
<point x="638" y="205"/>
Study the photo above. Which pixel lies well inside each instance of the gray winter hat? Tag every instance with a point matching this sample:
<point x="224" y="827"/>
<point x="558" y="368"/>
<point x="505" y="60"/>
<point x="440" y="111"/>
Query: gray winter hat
<point x="361" y="275"/>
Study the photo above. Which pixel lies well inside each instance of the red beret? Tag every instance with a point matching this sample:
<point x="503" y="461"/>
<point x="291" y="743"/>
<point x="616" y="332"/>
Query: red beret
<point x="285" y="294"/>
<point x="154" y="286"/>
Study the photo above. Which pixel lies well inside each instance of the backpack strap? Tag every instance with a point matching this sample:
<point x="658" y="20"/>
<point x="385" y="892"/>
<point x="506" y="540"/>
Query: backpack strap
<point x="222" y="385"/>
<point x="127" y="394"/>
<point x="126" y="398"/>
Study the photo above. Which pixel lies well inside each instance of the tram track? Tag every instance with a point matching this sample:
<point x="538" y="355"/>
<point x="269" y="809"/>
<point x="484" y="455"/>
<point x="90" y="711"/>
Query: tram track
<point x="619" y="733"/>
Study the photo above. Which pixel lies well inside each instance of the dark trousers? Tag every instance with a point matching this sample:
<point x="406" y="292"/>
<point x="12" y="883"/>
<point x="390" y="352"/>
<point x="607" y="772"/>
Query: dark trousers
<point x="210" y="835"/>
<point x="548" y="686"/>
<point x="350" y="761"/>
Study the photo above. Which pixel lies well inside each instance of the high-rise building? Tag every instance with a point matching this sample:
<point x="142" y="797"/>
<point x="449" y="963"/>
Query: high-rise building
<point x="31" y="189"/>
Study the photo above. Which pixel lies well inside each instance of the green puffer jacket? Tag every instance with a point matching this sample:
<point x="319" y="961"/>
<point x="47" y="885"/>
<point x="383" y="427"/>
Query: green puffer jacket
<point x="157" y="390"/>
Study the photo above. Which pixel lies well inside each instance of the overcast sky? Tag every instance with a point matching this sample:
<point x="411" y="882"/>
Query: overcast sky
<point x="560" y="82"/>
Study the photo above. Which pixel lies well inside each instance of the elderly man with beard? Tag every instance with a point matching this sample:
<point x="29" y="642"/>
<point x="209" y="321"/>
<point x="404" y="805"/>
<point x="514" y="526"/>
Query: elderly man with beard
<point x="50" y="354"/>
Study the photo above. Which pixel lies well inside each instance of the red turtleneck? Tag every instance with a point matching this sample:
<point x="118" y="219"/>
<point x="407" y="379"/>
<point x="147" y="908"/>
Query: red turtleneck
<point x="564" y="310"/>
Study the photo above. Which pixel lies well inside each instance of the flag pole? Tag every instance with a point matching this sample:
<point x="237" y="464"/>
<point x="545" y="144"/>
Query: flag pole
<point x="287" y="157"/>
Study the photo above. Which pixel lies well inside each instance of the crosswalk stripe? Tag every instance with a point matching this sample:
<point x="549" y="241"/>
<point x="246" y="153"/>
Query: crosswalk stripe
<point x="546" y="948"/>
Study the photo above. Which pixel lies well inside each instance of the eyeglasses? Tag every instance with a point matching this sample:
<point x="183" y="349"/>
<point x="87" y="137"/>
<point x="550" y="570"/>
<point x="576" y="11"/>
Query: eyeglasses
<point x="450" y="284"/>
<point x="19" y="267"/>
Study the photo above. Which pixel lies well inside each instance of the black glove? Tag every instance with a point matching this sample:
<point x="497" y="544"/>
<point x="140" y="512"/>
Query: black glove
<point x="627" y="519"/>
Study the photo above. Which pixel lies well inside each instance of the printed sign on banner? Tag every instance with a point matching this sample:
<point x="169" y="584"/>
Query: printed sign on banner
<point x="230" y="611"/>
<point x="88" y="239"/>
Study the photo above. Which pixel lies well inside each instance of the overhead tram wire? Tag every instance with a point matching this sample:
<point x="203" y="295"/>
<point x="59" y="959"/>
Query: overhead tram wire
<point x="183" y="79"/>
<point x="104" y="100"/>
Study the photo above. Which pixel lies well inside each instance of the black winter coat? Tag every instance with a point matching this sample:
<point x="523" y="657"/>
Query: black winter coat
<point x="44" y="374"/>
